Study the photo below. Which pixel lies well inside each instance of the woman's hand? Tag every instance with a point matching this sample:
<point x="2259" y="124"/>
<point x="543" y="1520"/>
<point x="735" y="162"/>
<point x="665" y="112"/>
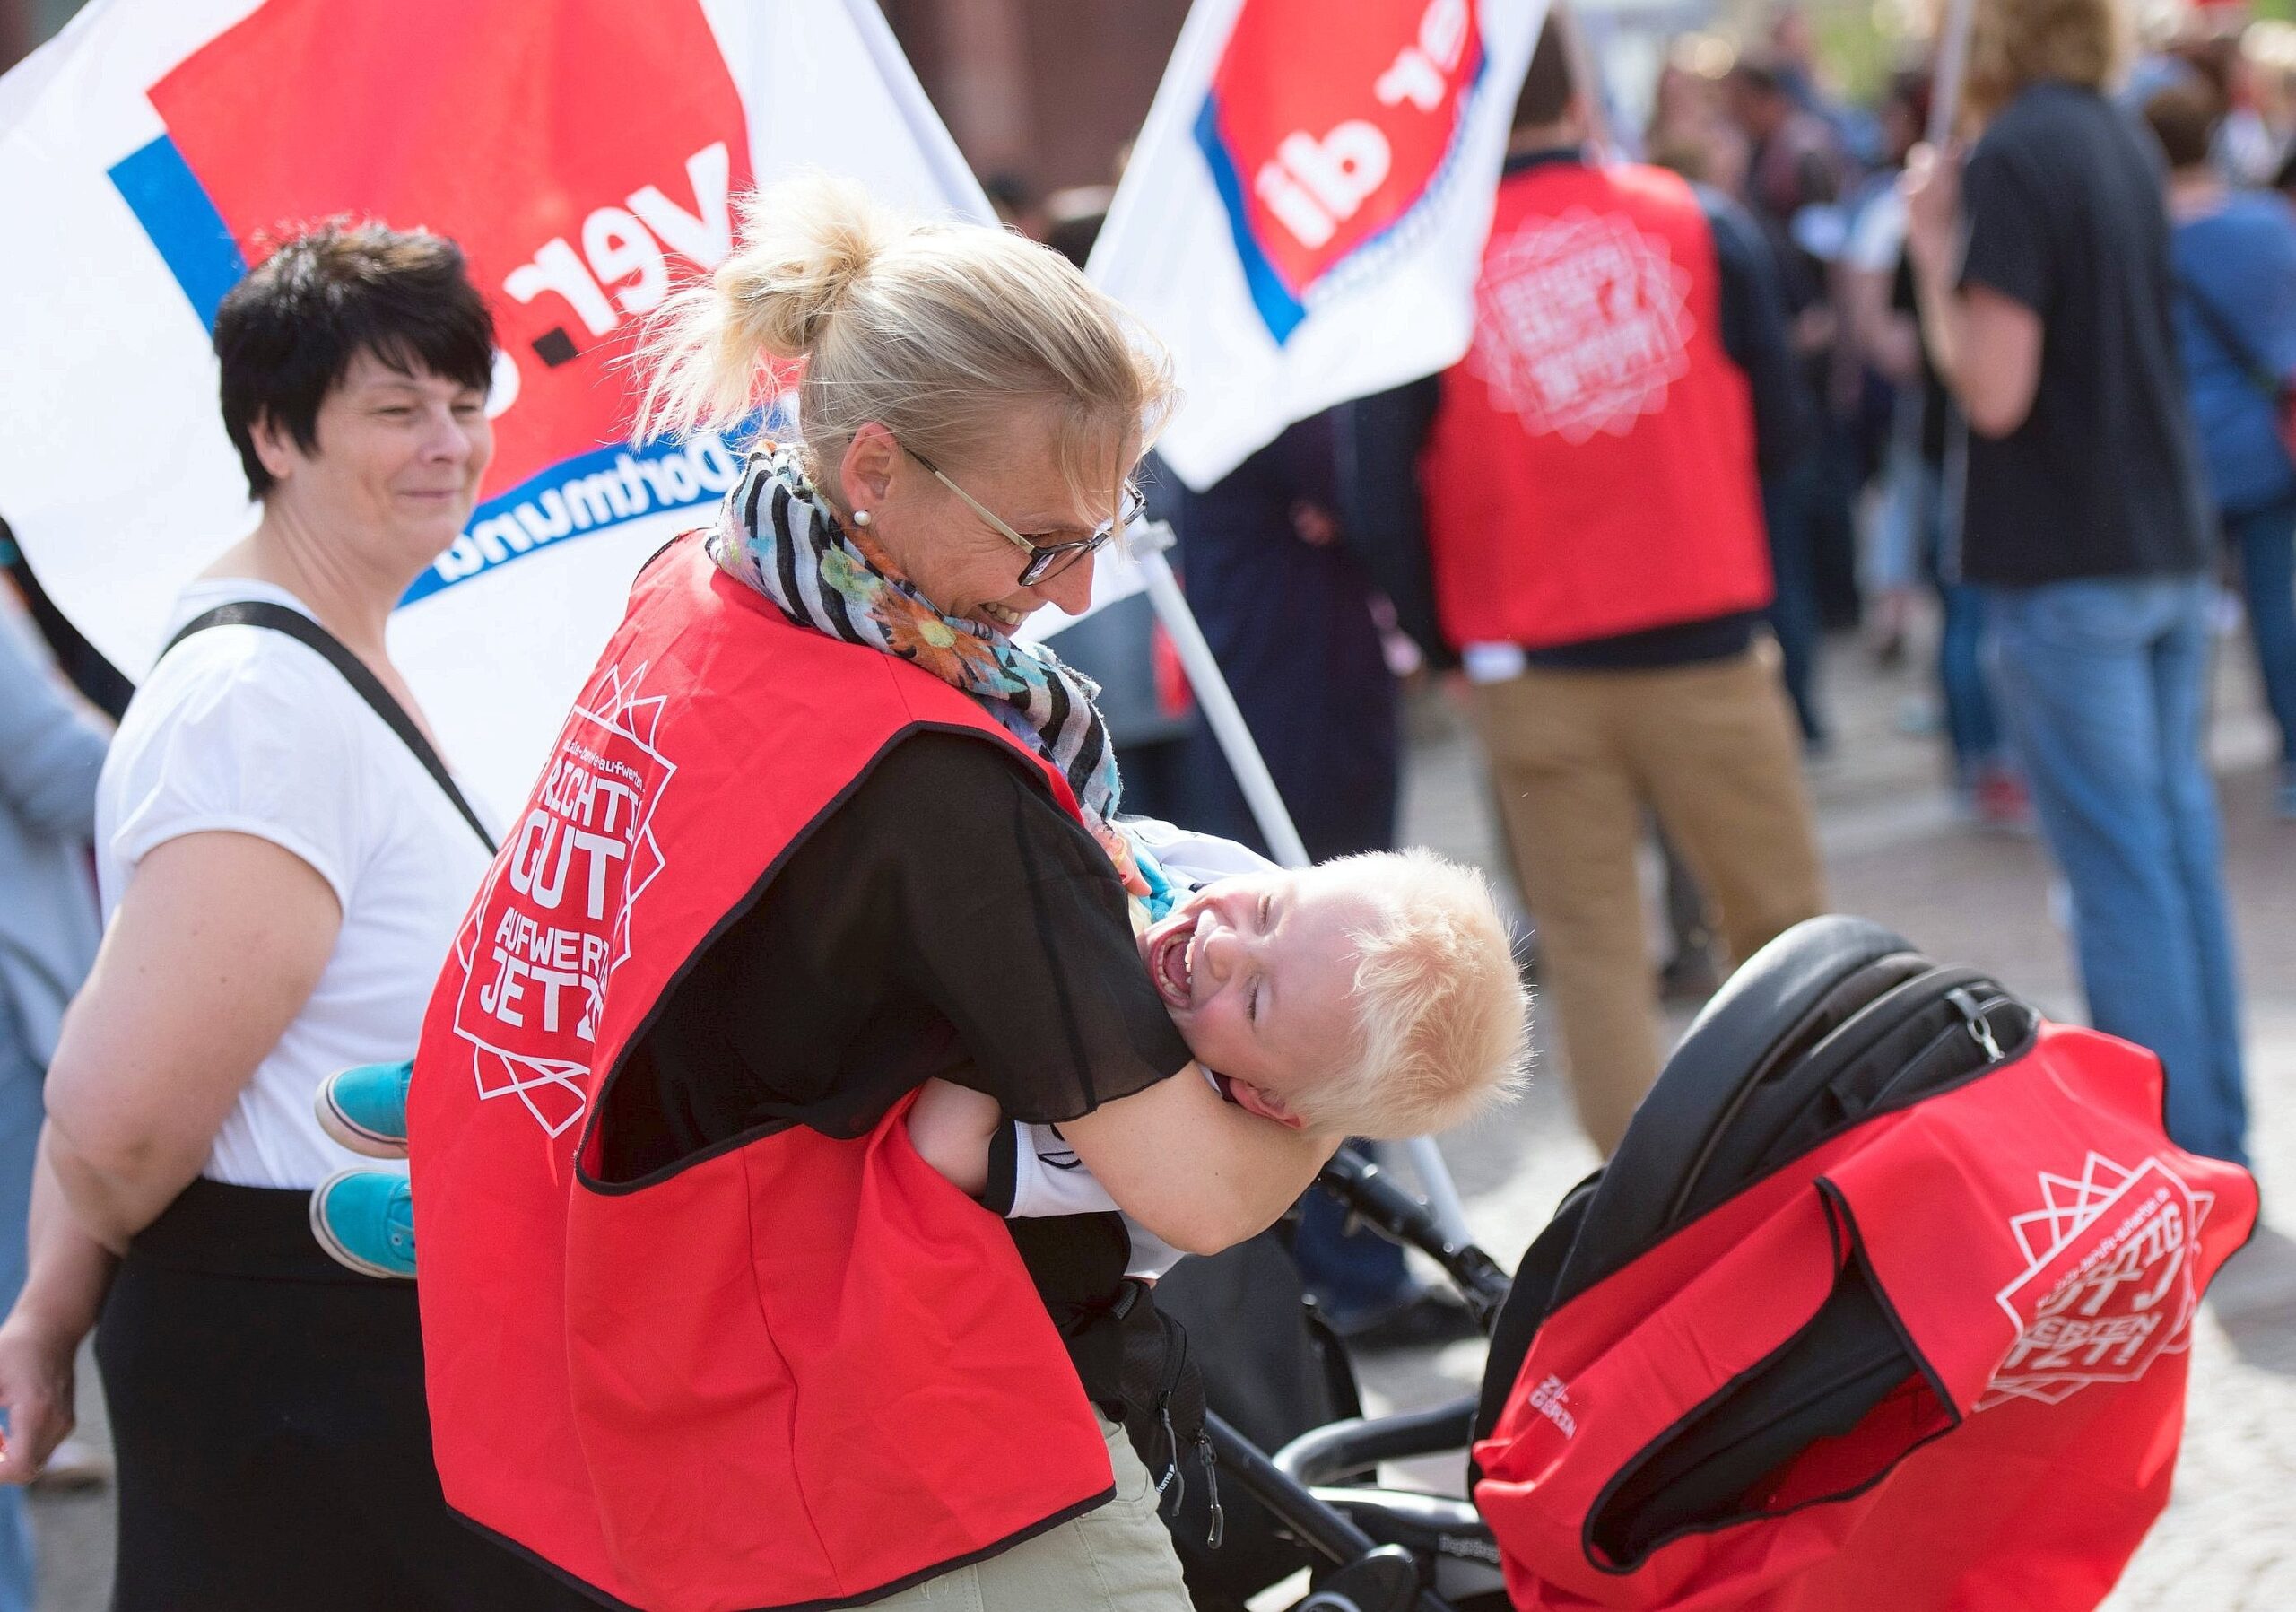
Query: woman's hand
<point x="36" y="1392"/>
<point x="63" y="1290"/>
<point x="951" y="1127"/>
<point x="1932" y="187"/>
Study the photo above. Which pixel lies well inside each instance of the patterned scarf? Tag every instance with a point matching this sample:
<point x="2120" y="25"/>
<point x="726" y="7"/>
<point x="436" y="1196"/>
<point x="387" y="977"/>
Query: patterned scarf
<point x="777" y="535"/>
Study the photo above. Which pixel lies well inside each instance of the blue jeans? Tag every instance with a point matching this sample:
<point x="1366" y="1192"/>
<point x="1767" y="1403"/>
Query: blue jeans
<point x="1912" y="539"/>
<point x="1970" y="722"/>
<point x="20" y="1116"/>
<point x="2266" y="541"/>
<point x="2104" y="686"/>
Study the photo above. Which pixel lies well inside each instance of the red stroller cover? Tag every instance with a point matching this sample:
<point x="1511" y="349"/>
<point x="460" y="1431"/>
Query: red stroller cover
<point x="2040" y="1247"/>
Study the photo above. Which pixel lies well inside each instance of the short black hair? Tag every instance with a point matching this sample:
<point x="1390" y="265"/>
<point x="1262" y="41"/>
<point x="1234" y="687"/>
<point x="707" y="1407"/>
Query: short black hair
<point x="1546" y="86"/>
<point x="287" y="332"/>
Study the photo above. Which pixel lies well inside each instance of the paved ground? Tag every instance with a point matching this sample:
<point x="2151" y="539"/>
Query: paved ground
<point x="1895" y="853"/>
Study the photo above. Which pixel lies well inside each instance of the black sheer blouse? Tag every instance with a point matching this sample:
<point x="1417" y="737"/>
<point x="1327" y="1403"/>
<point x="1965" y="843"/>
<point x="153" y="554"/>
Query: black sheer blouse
<point x="947" y="919"/>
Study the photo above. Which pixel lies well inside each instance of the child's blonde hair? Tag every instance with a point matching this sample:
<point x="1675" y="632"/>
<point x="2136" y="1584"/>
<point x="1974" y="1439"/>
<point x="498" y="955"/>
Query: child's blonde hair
<point x="1443" y="1024"/>
<point x="940" y="332"/>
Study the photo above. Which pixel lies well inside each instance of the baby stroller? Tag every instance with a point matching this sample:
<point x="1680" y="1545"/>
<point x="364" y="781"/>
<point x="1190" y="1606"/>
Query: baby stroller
<point x="1883" y="1301"/>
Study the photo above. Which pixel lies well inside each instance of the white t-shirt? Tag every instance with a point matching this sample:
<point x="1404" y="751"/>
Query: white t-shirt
<point x="245" y="729"/>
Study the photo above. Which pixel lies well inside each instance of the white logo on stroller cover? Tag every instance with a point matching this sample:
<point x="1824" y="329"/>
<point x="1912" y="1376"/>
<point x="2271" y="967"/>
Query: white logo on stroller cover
<point x="598" y="796"/>
<point x="2109" y="1287"/>
<point x="1552" y="1399"/>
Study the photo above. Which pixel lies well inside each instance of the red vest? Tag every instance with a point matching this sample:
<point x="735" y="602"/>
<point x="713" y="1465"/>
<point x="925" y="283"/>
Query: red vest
<point x="2042" y="1247"/>
<point x="794" y="1371"/>
<point x="1590" y="471"/>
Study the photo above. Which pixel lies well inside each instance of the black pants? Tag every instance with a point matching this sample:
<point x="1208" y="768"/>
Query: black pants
<point x="274" y="1446"/>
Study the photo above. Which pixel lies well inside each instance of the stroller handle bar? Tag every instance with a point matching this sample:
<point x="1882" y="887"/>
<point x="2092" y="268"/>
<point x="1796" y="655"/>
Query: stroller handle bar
<point x="1374" y="1198"/>
<point x="1330" y="1452"/>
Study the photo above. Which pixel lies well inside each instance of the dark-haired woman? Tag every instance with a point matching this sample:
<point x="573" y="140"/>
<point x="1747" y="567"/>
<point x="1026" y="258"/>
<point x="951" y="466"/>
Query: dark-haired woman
<point x="282" y="876"/>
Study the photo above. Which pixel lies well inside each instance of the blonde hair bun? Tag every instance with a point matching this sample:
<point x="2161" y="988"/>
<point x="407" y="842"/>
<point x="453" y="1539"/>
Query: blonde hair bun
<point x="804" y="244"/>
<point x="939" y="331"/>
<point x="807" y="243"/>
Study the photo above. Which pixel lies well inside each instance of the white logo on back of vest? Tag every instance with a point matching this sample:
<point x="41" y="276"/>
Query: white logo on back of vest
<point x="1581" y="323"/>
<point x="2109" y="1287"/>
<point x="540" y="948"/>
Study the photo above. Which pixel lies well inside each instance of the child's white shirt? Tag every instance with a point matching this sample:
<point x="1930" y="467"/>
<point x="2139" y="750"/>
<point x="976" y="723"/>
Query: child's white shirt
<point x="1047" y="1177"/>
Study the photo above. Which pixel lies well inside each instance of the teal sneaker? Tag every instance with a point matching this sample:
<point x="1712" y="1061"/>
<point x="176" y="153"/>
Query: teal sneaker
<point x="364" y="1108"/>
<point x="364" y="1218"/>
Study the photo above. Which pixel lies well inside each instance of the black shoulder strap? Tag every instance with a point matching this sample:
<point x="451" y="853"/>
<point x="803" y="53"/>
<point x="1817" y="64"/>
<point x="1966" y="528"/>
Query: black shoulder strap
<point x="295" y="624"/>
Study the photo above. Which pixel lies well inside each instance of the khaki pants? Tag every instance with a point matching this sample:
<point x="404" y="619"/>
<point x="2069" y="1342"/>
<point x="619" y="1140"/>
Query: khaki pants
<point x="1117" y="1558"/>
<point x="1576" y="757"/>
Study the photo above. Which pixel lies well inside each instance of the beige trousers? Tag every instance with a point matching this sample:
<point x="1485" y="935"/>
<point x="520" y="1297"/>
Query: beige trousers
<point x="1576" y="757"/>
<point x="1116" y="1558"/>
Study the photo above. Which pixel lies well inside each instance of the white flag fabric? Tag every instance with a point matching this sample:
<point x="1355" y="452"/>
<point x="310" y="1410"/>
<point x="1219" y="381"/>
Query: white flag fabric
<point x="585" y="152"/>
<point x="1116" y="574"/>
<point x="1305" y="212"/>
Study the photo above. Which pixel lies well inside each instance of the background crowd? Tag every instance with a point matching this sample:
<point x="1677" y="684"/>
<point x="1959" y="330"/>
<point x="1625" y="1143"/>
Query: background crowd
<point x="2063" y="552"/>
<point x="2014" y="417"/>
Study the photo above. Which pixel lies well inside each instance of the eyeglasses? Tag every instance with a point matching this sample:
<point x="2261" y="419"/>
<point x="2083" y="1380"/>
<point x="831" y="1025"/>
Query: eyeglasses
<point x="1046" y="560"/>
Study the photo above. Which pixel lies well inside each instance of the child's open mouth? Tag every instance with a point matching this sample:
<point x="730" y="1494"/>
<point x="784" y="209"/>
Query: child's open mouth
<point x="1171" y="966"/>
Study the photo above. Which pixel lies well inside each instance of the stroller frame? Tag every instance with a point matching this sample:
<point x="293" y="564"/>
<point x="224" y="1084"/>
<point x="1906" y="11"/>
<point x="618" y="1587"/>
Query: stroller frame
<point x="1382" y="1545"/>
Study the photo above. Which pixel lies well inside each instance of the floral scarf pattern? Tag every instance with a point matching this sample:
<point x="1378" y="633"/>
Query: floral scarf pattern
<point x="776" y="534"/>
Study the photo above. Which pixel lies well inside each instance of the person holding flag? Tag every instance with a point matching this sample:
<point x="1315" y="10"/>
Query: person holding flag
<point x="1594" y="524"/>
<point x="2045" y="272"/>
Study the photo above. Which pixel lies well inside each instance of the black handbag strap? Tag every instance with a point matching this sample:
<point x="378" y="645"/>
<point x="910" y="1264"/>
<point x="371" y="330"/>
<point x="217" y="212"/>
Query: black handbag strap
<point x="295" y="624"/>
<point x="2227" y="336"/>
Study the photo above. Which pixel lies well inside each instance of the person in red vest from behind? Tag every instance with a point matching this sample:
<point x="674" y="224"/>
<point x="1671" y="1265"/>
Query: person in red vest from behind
<point x="1588" y="481"/>
<point x="701" y="1330"/>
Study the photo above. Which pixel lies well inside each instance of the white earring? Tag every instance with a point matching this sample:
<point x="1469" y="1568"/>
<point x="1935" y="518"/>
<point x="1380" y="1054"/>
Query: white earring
<point x="860" y="518"/>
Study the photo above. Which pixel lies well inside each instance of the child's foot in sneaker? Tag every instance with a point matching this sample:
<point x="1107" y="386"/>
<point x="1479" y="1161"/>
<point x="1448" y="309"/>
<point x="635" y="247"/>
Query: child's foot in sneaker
<point x="364" y="1108"/>
<point x="365" y="1219"/>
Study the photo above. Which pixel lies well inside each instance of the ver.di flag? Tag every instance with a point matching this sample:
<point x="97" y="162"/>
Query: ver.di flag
<point x="1305" y="212"/>
<point x="585" y="152"/>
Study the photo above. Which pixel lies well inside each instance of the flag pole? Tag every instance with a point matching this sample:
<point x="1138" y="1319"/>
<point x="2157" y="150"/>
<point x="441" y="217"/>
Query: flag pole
<point x="1218" y="701"/>
<point x="1220" y="711"/>
<point x="1951" y="70"/>
<point x="1586" y="79"/>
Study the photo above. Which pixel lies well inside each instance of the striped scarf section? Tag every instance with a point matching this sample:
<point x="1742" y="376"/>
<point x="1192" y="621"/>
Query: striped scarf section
<point x="776" y="534"/>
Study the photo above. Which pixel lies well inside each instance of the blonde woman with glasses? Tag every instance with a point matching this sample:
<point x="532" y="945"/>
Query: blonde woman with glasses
<point x="703" y="1330"/>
